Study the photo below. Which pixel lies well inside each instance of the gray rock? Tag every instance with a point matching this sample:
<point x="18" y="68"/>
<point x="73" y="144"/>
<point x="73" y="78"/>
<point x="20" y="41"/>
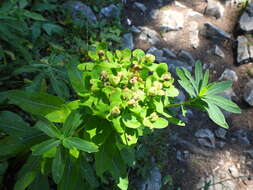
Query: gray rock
<point x="218" y="52"/>
<point x="186" y="57"/>
<point x="194" y="14"/>
<point x="157" y="53"/>
<point x="111" y="11"/>
<point x="242" y="137"/>
<point x="250" y="153"/>
<point x="215" y="33"/>
<point x="214" y="9"/>
<point x="229" y="74"/>
<point x="220" y="133"/>
<point x="180" y="5"/>
<point x="154" y="14"/>
<point x="248" y="93"/>
<point x="187" y="116"/>
<point x="79" y="10"/>
<point x="168" y="53"/>
<point x="174" y="63"/>
<point x="171" y="20"/>
<point x="149" y="35"/>
<point x="221" y="144"/>
<point x="140" y="6"/>
<point x="127" y="41"/>
<point x="135" y="29"/>
<point x="246" y="20"/>
<point x="194" y="34"/>
<point x="243" y="55"/>
<point x="205" y="137"/>
<point x="154" y="182"/>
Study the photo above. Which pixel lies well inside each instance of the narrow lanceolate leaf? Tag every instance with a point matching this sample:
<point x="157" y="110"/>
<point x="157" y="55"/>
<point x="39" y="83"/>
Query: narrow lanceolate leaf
<point x="25" y="181"/>
<point x="35" y="103"/>
<point x="13" y="125"/>
<point x="185" y="83"/>
<point x="205" y="80"/>
<point x="45" y="146"/>
<point x="223" y="103"/>
<point x="48" y="128"/>
<point x="80" y="144"/>
<point x="193" y="82"/>
<point x="75" y="76"/>
<point x="72" y="123"/>
<point x="218" y="87"/>
<point x="216" y="115"/>
<point x="198" y="74"/>
<point x="58" y="166"/>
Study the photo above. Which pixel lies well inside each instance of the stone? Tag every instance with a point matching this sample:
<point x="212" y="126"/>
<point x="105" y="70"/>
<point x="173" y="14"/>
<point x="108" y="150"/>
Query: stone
<point x="194" y="34"/>
<point x="194" y="14"/>
<point x="168" y="53"/>
<point x="214" y="9"/>
<point x="243" y="54"/>
<point x="219" y="52"/>
<point x="111" y="11"/>
<point x="246" y="20"/>
<point x="154" y="181"/>
<point x="205" y="137"/>
<point x="171" y="20"/>
<point x="135" y="29"/>
<point x="157" y="53"/>
<point x="242" y="137"/>
<point x="175" y="63"/>
<point x="154" y="14"/>
<point x="229" y="74"/>
<point x="220" y="133"/>
<point x="186" y="57"/>
<point x="79" y="10"/>
<point x="214" y="33"/>
<point x="180" y="5"/>
<point x="250" y="153"/>
<point x="140" y="6"/>
<point x="221" y="144"/>
<point x="149" y="35"/>
<point x="248" y="93"/>
<point x="187" y="116"/>
<point x="127" y="41"/>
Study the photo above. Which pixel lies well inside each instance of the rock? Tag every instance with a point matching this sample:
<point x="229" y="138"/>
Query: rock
<point x="242" y="137"/>
<point x="79" y="10"/>
<point x="221" y="144"/>
<point x="111" y="11"/>
<point x="171" y="20"/>
<point x="127" y="41"/>
<point x="218" y="52"/>
<point x="229" y="74"/>
<point x="180" y="5"/>
<point x="242" y="50"/>
<point x="205" y="137"/>
<point x="135" y="29"/>
<point x="186" y="57"/>
<point x="246" y="20"/>
<point x="140" y="6"/>
<point x="216" y="34"/>
<point x="174" y="63"/>
<point x="250" y="153"/>
<point x="157" y="53"/>
<point x="149" y="35"/>
<point x="187" y="116"/>
<point x="194" y="34"/>
<point x="214" y="9"/>
<point x="168" y="53"/>
<point x="220" y="133"/>
<point x="194" y="14"/>
<point x="248" y="93"/>
<point x="154" y="14"/>
<point x="154" y="182"/>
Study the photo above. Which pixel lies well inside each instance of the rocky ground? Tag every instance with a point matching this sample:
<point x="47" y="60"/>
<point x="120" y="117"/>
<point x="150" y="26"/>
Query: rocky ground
<point x="219" y="33"/>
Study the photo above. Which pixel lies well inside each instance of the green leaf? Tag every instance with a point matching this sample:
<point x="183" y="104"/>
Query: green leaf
<point x="52" y="28"/>
<point x="14" y="125"/>
<point x="93" y="55"/>
<point x="193" y="82"/>
<point x="185" y="83"/>
<point x="205" y="80"/>
<point x="160" y="123"/>
<point x="123" y="183"/>
<point x="33" y="15"/>
<point x="198" y="74"/>
<point x="218" y="87"/>
<point x="35" y="103"/>
<point x="45" y="146"/>
<point x="139" y="54"/>
<point x="40" y="183"/>
<point x="80" y="144"/>
<point x="25" y="181"/>
<point x="75" y="76"/>
<point x="130" y="121"/>
<point x="216" y="115"/>
<point x="48" y="128"/>
<point x="161" y="69"/>
<point x="58" y="166"/>
<point x="223" y="103"/>
<point x="72" y="123"/>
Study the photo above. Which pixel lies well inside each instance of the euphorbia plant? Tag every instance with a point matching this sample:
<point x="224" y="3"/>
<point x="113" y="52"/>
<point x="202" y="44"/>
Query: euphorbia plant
<point x="121" y="96"/>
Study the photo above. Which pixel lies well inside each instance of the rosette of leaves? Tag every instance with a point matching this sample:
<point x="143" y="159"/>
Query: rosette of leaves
<point x="121" y="96"/>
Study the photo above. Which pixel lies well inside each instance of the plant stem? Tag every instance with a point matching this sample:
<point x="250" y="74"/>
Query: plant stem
<point x="183" y="103"/>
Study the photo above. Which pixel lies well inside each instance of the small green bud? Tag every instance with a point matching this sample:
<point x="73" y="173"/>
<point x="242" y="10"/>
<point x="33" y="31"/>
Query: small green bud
<point x="153" y="117"/>
<point x="115" y="110"/>
<point x="166" y="76"/>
